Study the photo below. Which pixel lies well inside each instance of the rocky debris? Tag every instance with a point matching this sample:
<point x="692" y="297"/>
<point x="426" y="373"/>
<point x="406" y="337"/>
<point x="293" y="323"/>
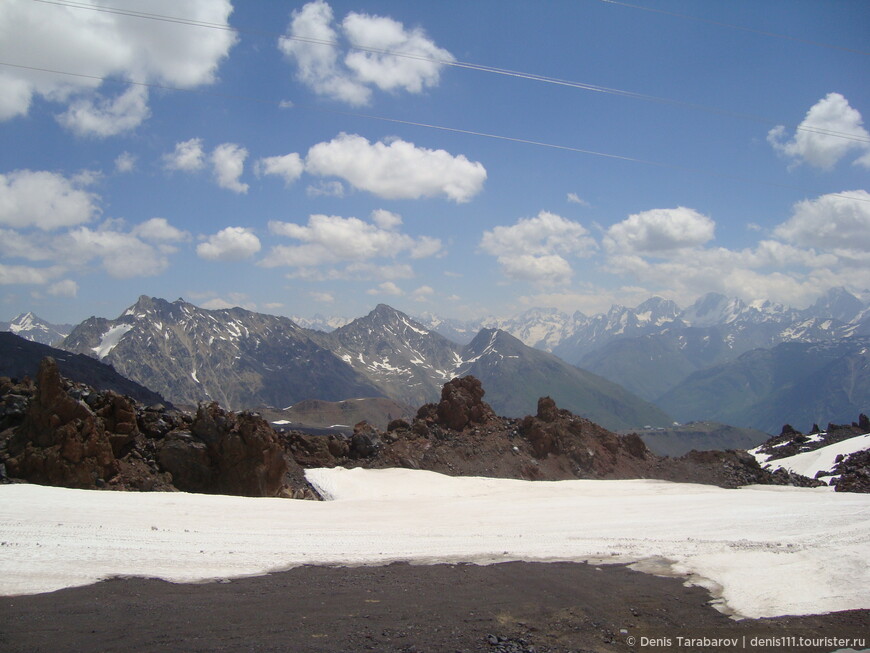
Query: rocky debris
<point x="854" y="471"/>
<point x="365" y="441"/>
<point x="501" y="644"/>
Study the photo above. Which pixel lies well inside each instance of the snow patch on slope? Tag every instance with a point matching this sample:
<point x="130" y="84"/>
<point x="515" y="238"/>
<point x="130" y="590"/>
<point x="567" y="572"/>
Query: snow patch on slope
<point x="110" y="340"/>
<point x="810" y="463"/>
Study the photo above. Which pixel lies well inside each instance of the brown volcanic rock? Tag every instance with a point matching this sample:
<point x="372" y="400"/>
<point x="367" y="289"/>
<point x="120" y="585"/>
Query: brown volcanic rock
<point x="554" y="444"/>
<point x="62" y="433"/>
<point x="462" y="404"/>
<point x="226" y="453"/>
<point x="592" y="451"/>
<point x="61" y="441"/>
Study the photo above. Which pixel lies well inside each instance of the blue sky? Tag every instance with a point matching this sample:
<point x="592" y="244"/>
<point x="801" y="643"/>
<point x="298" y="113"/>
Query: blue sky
<point x="277" y="156"/>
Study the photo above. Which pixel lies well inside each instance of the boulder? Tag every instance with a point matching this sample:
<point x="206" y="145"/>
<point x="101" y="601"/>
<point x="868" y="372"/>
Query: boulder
<point x="462" y="404"/>
<point x="240" y="450"/>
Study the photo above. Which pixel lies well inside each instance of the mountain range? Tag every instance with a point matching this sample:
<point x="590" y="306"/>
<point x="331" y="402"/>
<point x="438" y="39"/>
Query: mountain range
<point x="661" y="360"/>
<point x="244" y="360"/>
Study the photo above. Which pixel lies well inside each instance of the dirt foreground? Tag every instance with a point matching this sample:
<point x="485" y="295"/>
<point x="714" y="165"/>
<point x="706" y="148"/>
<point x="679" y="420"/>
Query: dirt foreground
<point x="509" y="607"/>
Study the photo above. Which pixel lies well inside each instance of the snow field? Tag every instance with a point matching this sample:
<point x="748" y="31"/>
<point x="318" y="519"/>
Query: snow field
<point x="766" y="551"/>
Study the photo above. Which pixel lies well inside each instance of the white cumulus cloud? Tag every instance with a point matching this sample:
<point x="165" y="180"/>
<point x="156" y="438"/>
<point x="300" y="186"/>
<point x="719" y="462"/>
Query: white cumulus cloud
<point x="534" y="249"/>
<point x="660" y="231"/>
<point x="396" y="170"/>
<point x="317" y="47"/>
<point x="188" y="156"/>
<point x="825" y="243"/>
<point x="832" y="222"/>
<point x="45" y="200"/>
<point x="228" y="160"/>
<point x="420" y="68"/>
<point x="123" y="255"/>
<point x="289" y="167"/>
<point x="831" y="130"/>
<point x="102" y="117"/>
<point x="106" y="45"/>
<point x="229" y="244"/>
<point x="159" y="230"/>
<point x="332" y="247"/>
<point x="330" y="239"/>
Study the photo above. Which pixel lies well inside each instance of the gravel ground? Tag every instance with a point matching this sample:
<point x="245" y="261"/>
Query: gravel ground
<point x="509" y="607"/>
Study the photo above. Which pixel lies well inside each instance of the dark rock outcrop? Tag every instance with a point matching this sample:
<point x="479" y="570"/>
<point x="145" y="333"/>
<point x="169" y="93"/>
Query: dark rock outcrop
<point x="57" y="432"/>
<point x="854" y="471"/>
<point x="225" y="453"/>
<point x="61" y="440"/>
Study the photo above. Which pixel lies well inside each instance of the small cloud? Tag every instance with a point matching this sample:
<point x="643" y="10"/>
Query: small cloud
<point x="534" y="249"/>
<point x="396" y="169"/>
<point x="830" y="130"/>
<point x="286" y="104"/>
<point x="45" y="200"/>
<point x="422" y="294"/>
<point x="385" y="288"/>
<point x="289" y="167"/>
<point x="125" y="162"/>
<point x="322" y="297"/>
<point x="108" y="117"/>
<point x="228" y="160"/>
<point x="188" y="156"/>
<point x="574" y="198"/>
<point x="217" y="304"/>
<point x="230" y="244"/>
<point x="386" y="219"/>
<point x="660" y="231"/>
<point x="349" y="76"/>
<point x="326" y="189"/>
<point x="159" y="230"/>
<point x="65" y="288"/>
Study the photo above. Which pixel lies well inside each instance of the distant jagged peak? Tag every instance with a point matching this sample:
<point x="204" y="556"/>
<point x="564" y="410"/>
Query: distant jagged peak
<point x="384" y="315"/>
<point x="657" y="310"/>
<point x="541" y="312"/>
<point x="837" y="303"/>
<point x="658" y="304"/>
<point x="494" y="338"/>
<point x="146" y="306"/>
<point x="711" y="309"/>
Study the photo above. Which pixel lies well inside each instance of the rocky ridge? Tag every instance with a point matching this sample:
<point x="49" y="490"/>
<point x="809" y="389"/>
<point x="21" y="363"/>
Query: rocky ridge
<point x="58" y="432"/>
